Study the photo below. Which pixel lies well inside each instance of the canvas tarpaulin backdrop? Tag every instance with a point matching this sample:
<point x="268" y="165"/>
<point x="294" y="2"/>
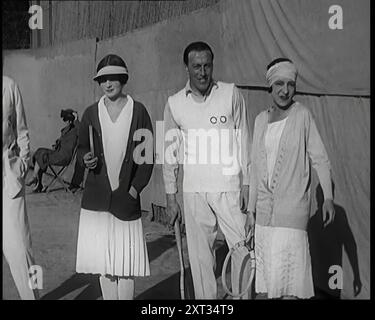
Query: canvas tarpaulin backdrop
<point x="329" y="61"/>
<point x="245" y="36"/>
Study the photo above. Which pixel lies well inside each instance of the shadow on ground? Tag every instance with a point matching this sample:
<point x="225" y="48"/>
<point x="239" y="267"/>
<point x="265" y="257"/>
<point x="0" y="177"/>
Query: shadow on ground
<point x="169" y="289"/>
<point x="90" y="283"/>
<point x="327" y="246"/>
<point x="77" y="281"/>
<point x="164" y="290"/>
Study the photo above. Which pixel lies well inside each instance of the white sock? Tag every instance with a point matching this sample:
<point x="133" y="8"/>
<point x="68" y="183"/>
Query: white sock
<point x="109" y="286"/>
<point x="126" y="288"/>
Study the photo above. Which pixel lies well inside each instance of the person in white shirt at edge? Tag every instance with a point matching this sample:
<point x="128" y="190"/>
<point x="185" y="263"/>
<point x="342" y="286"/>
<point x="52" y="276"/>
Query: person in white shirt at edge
<point x="216" y="178"/>
<point x="16" y="153"/>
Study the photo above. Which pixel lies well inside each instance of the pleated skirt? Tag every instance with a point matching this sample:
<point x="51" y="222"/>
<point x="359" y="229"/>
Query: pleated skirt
<point x="109" y="246"/>
<point x="283" y="263"/>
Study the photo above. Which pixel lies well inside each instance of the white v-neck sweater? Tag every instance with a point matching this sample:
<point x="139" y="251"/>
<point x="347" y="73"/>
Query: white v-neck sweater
<point x="115" y="137"/>
<point x="207" y="141"/>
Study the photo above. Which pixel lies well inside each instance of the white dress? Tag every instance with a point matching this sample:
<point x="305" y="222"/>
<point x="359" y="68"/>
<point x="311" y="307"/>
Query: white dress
<point x="283" y="263"/>
<point x="107" y="245"/>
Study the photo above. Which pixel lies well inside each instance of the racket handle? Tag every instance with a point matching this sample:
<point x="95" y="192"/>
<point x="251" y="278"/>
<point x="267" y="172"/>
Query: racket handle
<point x="181" y="257"/>
<point x="91" y="140"/>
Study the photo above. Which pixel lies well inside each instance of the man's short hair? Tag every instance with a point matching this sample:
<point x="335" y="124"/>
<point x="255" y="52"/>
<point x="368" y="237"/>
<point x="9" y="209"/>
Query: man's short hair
<point x="196" y="46"/>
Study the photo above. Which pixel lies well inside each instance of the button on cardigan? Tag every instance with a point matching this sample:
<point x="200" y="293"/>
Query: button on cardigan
<point x="97" y="195"/>
<point x="285" y="202"/>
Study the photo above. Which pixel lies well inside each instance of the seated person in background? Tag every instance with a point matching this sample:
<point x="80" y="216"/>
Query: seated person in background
<point x="61" y="152"/>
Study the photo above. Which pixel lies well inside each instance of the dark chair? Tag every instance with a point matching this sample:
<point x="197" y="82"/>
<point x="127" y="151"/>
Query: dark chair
<point x="57" y="175"/>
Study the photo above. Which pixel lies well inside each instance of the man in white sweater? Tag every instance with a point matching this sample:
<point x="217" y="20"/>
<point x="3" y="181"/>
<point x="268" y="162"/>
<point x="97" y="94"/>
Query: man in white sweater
<point x="207" y="131"/>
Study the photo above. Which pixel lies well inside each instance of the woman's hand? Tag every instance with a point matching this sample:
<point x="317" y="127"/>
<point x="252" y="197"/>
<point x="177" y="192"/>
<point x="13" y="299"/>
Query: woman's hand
<point x="90" y="161"/>
<point x="328" y="212"/>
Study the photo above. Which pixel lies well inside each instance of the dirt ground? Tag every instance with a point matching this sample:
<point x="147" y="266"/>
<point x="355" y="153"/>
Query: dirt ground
<point x="53" y="219"/>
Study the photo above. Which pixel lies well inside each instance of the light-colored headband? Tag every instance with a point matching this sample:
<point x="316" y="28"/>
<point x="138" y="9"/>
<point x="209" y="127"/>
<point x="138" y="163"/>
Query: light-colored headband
<point x="283" y="69"/>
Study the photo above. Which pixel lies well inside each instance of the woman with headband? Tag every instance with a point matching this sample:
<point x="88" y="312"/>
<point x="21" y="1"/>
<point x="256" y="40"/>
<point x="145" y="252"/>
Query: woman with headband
<point x="110" y="235"/>
<point x="286" y="143"/>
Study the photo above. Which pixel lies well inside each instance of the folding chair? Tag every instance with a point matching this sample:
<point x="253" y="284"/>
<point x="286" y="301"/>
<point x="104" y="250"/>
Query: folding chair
<point x="57" y="176"/>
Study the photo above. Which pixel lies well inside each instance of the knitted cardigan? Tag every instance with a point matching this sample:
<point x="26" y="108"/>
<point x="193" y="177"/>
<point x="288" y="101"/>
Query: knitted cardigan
<point x="98" y="195"/>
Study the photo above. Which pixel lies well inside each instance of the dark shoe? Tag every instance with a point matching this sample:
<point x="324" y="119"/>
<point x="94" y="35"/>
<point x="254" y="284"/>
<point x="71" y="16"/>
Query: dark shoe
<point x="38" y="188"/>
<point x="34" y="180"/>
<point x="73" y="187"/>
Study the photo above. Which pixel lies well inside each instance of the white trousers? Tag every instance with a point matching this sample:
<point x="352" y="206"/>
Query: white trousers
<point x="17" y="243"/>
<point x="204" y="212"/>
